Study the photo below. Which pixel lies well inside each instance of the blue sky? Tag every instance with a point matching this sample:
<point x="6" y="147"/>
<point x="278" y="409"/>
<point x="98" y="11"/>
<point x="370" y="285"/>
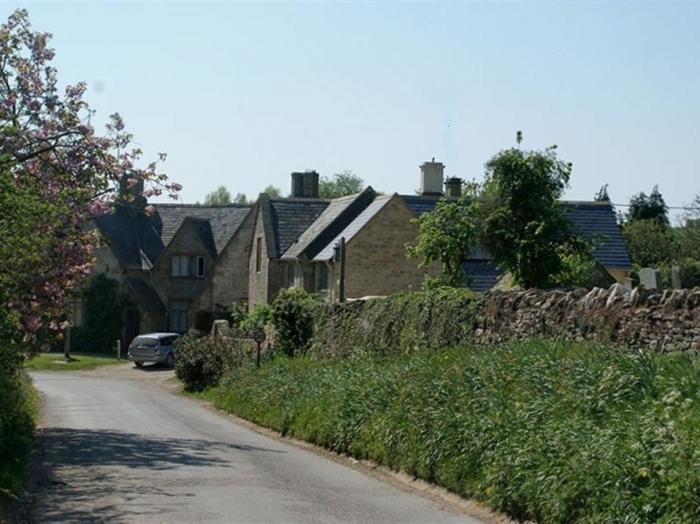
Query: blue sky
<point x="243" y="94"/>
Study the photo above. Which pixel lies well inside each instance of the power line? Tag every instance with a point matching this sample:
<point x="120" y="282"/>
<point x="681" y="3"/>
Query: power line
<point x="684" y="208"/>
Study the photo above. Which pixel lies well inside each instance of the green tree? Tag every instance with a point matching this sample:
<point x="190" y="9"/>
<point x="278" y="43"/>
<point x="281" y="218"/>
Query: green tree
<point x="446" y="237"/>
<point x="522" y="225"/>
<point x="602" y="194"/>
<point x="219" y="197"/>
<point x="272" y="191"/>
<point x="104" y="312"/>
<point x="648" y="207"/>
<point x="240" y="198"/>
<point x="340" y="184"/>
<point x="649" y="242"/>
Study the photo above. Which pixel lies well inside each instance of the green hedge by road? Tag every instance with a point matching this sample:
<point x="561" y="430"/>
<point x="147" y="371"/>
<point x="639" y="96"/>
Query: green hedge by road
<point x="18" y="411"/>
<point x="553" y="432"/>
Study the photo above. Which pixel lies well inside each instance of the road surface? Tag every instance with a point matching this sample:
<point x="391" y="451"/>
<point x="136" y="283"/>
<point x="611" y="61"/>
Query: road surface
<point x="119" y="450"/>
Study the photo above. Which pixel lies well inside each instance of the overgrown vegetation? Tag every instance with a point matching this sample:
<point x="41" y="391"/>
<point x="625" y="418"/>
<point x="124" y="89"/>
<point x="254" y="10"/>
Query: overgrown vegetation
<point x="542" y="431"/>
<point x="18" y="410"/>
<point x="104" y="306"/>
<point x="202" y="360"/>
<point x="293" y="316"/>
<point x="397" y="325"/>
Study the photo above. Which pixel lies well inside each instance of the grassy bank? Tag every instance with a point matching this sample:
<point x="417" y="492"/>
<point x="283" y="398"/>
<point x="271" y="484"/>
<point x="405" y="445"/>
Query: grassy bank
<point x="18" y="412"/>
<point x="78" y="361"/>
<point x="539" y="430"/>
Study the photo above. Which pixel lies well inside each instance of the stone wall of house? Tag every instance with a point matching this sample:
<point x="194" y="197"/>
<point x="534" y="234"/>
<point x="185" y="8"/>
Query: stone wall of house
<point x="181" y="289"/>
<point x="376" y="262"/>
<point x="660" y="321"/>
<point x="258" y="280"/>
<point x="228" y="282"/>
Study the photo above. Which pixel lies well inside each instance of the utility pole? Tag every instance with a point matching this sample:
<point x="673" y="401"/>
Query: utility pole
<point x="339" y="255"/>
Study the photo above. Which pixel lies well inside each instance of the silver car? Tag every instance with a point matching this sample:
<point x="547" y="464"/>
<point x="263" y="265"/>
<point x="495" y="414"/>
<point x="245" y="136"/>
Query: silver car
<point x="158" y="348"/>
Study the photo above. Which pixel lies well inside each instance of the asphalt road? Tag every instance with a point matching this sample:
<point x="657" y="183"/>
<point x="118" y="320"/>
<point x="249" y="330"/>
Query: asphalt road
<point x="120" y="450"/>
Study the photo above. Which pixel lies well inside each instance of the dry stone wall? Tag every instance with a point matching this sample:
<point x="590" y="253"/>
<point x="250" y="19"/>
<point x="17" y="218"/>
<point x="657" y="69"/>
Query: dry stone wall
<point x="660" y="321"/>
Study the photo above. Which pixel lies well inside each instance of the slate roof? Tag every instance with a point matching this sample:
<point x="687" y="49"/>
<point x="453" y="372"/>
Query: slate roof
<point x="145" y="294"/>
<point x="286" y="219"/>
<point x="597" y="220"/>
<point x="594" y="220"/>
<point x="335" y="218"/>
<point x="420" y="204"/>
<point x="354" y="227"/>
<point x="483" y="274"/>
<point x="138" y="241"/>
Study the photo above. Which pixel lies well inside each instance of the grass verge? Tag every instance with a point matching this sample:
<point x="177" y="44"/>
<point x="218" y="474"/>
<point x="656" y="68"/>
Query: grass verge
<point x="553" y="432"/>
<point x="78" y="361"/>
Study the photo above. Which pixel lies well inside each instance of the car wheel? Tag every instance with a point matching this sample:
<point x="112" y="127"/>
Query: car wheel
<point x="170" y="360"/>
<point x="138" y="364"/>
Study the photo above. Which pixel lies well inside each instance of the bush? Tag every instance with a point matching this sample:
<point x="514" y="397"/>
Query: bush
<point x="18" y="408"/>
<point x="293" y="314"/>
<point x="257" y="319"/>
<point x="400" y="324"/>
<point x="549" y="432"/>
<point x="202" y="360"/>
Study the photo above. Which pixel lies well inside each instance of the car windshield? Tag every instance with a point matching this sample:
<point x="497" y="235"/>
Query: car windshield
<point x="145" y="341"/>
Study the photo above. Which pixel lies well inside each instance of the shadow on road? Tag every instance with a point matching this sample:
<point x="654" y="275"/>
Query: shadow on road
<point x="109" y="476"/>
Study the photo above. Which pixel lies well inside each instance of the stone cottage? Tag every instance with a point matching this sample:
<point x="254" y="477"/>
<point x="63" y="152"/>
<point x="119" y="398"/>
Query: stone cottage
<point x="295" y="240"/>
<point x="181" y="260"/>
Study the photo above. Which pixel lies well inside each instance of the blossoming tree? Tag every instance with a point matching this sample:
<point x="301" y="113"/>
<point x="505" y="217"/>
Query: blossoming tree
<point x="56" y="171"/>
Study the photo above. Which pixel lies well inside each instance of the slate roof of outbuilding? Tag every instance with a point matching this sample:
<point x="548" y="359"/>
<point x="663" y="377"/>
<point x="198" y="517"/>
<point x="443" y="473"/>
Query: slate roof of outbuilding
<point x="597" y="220"/>
<point x="138" y="241"/>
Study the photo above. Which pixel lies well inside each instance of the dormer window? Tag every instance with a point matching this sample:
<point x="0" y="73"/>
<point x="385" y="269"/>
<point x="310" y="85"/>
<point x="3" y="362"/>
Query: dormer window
<point x="200" y="267"/>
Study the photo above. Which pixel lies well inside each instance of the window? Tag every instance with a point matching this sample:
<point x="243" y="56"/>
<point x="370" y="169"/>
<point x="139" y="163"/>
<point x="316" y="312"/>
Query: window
<point x="180" y="266"/>
<point x="258" y="254"/>
<point x="187" y="266"/>
<point x="290" y="269"/>
<point x="200" y="267"/>
<point x="321" y="277"/>
<point x="178" y="317"/>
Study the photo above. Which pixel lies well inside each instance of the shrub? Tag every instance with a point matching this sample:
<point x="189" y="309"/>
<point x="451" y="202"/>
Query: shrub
<point x="18" y="407"/>
<point x="548" y="432"/>
<point x="202" y="360"/>
<point x="203" y="321"/>
<point x="293" y="313"/>
<point x="258" y="318"/>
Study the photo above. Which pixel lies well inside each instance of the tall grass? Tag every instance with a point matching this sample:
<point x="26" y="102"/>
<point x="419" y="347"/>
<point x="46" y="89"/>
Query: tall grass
<point x="554" y="432"/>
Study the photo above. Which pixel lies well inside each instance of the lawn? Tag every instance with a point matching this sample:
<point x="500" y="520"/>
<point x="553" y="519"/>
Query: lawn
<point x="78" y="361"/>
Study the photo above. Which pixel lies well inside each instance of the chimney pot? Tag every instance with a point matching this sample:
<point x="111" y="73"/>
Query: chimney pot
<point x="305" y="184"/>
<point x="453" y="187"/>
<point x="432" y="174"/>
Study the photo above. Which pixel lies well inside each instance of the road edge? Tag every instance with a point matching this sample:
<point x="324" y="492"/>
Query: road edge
<point x="399" y="479"/>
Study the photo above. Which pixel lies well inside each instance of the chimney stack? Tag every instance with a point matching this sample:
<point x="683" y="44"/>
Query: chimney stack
<point x="453" y="187"/>
<point x="431" y="178"/>
<point x="305" y="184"/>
